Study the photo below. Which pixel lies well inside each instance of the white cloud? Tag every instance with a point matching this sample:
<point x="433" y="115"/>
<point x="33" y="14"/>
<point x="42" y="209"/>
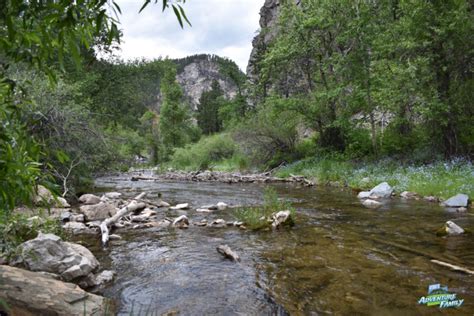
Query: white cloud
<point x="221" y="27"/>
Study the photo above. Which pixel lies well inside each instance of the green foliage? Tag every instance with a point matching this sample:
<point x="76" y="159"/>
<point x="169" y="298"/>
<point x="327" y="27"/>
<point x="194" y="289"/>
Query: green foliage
<point x="389" y="67"/>
<point x="259" y="217"/>
<point x="210" y="151"/>
<point x="174" y="117"/>
<point x="18" y="228"/>
<point x="208" y="109"/>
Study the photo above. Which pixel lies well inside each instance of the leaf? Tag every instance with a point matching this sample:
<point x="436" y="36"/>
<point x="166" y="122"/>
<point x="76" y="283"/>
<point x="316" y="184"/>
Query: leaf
<point x="117" y="7"/>
<point x="144" y="5"/>
<point x="176" y="12"/>
<point x="183" y="14"/>
<point x="165" y="4"/>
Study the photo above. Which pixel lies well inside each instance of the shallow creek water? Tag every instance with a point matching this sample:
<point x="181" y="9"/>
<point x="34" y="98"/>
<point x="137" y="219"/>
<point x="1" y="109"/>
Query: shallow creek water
<point x="338" y="259"/>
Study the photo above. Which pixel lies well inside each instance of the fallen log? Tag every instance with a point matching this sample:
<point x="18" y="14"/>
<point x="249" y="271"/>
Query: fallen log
<point x="131" y="207"/>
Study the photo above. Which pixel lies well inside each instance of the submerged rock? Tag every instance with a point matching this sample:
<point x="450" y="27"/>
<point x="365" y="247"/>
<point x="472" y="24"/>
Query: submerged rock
<point x="459" y="200"/>
<point x="31" y="293"/>
<point x="218" y="223"/>
<point x="371" y="203"/>
<point x="227" y="252"/>
<point x="49" y="253"/>
<point x="383" y="190"/>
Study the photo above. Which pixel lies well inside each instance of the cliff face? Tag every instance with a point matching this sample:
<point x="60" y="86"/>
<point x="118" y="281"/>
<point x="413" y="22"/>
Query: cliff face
<point x="269" y="14"/>
<point x="196" y="77"/>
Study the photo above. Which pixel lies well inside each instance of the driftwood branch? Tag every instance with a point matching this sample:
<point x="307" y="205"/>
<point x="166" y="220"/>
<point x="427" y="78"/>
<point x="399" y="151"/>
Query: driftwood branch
<point x="433" y="258"/>
<point x="452" y="266"/>
<point x="131" y="207"/>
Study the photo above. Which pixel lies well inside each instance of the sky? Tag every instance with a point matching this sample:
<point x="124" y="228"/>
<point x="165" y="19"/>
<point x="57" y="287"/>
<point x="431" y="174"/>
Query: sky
<point x="221" y="27"/>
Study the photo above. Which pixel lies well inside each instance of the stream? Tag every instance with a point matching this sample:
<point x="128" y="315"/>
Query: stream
<point x="338" y="259"/>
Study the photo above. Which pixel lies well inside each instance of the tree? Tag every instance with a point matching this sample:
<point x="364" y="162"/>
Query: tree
<point x="174" y="118"/>
<point x="208" y="109"/>
<point x="40" y="34"/>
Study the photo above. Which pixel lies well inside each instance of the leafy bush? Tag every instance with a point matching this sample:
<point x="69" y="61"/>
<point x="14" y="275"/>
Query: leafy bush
<point x="204" y="154"/>
<point x="18" y="228"/>
<point x="258" y="217"/>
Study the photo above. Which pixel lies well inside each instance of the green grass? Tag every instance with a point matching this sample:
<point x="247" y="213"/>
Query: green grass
<point x="257" y="218"/>
<point x="441" y="179"/>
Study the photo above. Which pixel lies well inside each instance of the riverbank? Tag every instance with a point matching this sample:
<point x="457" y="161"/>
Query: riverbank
<point x="437" y="181"/>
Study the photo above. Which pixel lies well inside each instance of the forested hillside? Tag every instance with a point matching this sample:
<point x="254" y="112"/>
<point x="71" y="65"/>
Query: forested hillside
<point x="341" y="81"/>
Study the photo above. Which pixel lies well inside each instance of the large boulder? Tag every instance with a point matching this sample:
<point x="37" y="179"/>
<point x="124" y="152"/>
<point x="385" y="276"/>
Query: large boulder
<point x="49" y="253"/>
<point x="44" y="197"/>
<point x="459" y="200"/>
<point x="98" y="211"/>
<point x="383" y="190"/>
<point x="89" y="199"/>
<point x="31" y="293"/>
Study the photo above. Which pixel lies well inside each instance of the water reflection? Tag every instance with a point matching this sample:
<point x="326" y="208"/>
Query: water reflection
<point x="340" y="258"/>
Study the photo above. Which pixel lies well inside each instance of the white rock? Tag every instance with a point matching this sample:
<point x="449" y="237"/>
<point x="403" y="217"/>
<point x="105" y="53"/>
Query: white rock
<point x="181" y="206"/>
<point x="383" y="190"/>
<point x="363" y="195"/>
<point x="280" y="218"/>
<point x="453" y="229"/>
<point x="76" y="227"/>
<point x="113" y="195"/>
<point x="227" y="252"/>
<point x="459" y="200"/>
<point x="181" y="222"/>
<point x="371" y="203"/>
<point x="203" y="210"/>
<point x="163" y="204"/>
<point x="221" y="206"/>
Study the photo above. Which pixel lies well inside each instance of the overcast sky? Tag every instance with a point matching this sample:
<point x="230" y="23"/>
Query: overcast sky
<point x="221" y="27"/>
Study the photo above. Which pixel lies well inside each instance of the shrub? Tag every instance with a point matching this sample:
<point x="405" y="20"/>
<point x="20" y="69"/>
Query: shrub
<point x="258" y="217"/>
<point x="202" y="155"/>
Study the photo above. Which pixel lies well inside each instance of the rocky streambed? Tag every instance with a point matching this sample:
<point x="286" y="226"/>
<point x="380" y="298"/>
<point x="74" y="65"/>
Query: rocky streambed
<point x="339" y="258"/>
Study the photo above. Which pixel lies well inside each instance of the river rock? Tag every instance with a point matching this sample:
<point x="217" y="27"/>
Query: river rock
<point x="98" y="211"/>
<point x="77" y="218"/>
<point x="30" y="293"/>
<point x="383" y="190"/>
<point x="432" y="199"/>
<point x="218" y="223"/>
<point x="182" y="206"/>
<point x="44" y="197"/>
<point x="113" y="195"/>
<point x="407" y="195"/>
<point x="221" y="206"/>
<point x="363" y="195"/>
<point x="371" y="203"/>
<point x="163" y="204"/>
<point x="78" y="228"/>
<point x="181" y="222"/>
<point x="452" y="229"/>
<point x="280" y="218"/>
<point x="228" y="253"/>
<point x="89" y="199"/>
<point x="49" y="253"/>
<point x="204" y="210"/>
<point x="459" y="200"/>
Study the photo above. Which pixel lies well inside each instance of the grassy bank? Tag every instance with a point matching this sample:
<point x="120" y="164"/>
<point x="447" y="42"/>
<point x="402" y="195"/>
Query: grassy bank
<point x="441" y="179"/>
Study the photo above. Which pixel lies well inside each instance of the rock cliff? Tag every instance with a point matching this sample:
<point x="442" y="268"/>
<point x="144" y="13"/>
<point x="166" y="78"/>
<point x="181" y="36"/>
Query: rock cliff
<point x="196" y="73"/>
